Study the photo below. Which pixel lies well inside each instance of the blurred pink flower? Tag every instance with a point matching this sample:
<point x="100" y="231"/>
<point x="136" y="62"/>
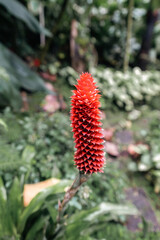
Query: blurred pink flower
<point x="49" y="86"/>
<point x="50" y="104"/>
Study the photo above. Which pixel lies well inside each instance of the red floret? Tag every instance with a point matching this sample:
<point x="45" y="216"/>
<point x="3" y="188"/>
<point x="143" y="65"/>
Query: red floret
<point x="85" y="116"/>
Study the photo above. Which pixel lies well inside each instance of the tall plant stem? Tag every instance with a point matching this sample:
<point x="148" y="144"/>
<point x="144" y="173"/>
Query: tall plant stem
<point x="129" y="33"/>
<point x="79" y="180"/>
<point x="54" y="30"/>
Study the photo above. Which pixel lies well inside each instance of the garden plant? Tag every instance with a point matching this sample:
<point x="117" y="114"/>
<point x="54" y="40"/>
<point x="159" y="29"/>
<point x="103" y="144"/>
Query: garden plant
<point x="79" y="120"/>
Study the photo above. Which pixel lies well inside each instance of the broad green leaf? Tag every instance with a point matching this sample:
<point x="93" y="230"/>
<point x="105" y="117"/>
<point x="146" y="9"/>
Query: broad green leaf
<point x="19" y="73"/>
<point x="83" y="220"/>
<point x="28" y="153"/>
<point x="112" y="209"/>
<point x="52" y="211"/>
<point x="19" y="76"/>
<point x="39" y="200"/>
<point x="15" y="201"/>
<point x="9" y="94"/>
<point x="19" y="11"/>
<point x="7" y="229"/>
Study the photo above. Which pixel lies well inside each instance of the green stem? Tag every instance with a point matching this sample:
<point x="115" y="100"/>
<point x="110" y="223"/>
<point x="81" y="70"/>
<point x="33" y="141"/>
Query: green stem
<point x="54" y="30"/>
<point x="129" y="33"/>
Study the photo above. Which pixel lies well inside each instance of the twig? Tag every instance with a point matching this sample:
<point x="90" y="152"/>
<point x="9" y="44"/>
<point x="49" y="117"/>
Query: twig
<point x="129" y="32"/>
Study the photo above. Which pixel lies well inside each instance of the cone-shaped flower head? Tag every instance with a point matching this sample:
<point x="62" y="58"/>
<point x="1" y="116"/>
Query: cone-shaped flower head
<point x="85" y="116"/>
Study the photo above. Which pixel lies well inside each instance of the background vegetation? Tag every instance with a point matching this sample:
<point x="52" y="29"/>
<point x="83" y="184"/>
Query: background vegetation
<point x="44" y="45"/>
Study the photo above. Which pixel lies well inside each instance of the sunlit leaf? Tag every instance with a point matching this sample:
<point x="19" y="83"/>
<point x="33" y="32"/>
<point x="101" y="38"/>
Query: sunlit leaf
<point x="104" y="212"/>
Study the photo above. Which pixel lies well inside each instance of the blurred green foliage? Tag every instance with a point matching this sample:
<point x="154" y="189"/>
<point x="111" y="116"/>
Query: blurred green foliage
<point x="17" y="9"/>
<point x="35" y="146"/>
<point x="101" y="27"/>
<point x="14" y="76"/>
<point x="18" y="222"/>
<point x="149" y="160"/>
<point x="124" y="90"/>
<point x="102" y="24"/>
<point x="31" y="138"/>
<point x="50" y="139"/>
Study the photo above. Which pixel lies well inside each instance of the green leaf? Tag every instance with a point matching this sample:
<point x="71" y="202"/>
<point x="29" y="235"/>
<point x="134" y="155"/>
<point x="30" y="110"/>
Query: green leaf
<point x="28" y="153"/>
<point x="145" y="164"/>
<point x="39" y="200"/>
<point x="19" y="11"/>
<point x="6" y="225"/>
<point x="17" y="75"/>
<point x="83" y="220"/>
<point x="20" y="74"/>
<point x="9" y="94"/>
<point x="52" y="211"/>
<point x="3" y="194"/>
<point x="15" y="202"/>
<point x="3" y="124"/>
<point x="113" y="210"/>
<point x="156" y="173"/>
<point x="36" y="227"/>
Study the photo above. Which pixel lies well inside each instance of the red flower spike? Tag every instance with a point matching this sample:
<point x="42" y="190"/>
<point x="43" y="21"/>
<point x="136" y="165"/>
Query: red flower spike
<point x="85" y="116"/>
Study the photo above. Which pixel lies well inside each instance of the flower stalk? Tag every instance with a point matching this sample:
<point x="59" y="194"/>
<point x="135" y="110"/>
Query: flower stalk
<point x="79" y="180"/>
<point x="85" y="115"/>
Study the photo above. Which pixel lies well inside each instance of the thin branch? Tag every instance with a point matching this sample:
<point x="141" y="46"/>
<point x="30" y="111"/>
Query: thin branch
<point x="54" y="30"/>
<point x="129" y="33"/>
<point x="42" y="22"/>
